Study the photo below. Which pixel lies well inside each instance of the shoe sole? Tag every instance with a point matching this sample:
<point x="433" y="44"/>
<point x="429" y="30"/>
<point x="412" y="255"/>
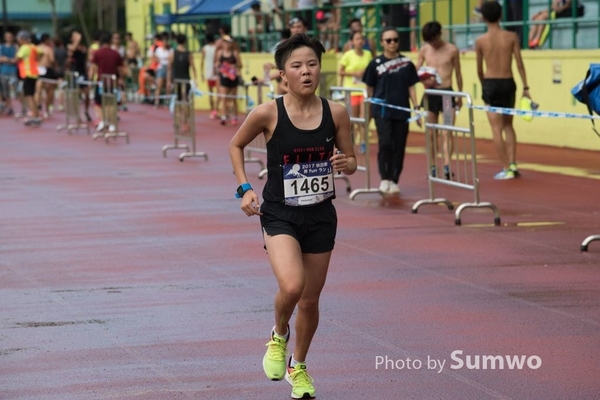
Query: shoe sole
<point x="306" y="395"/>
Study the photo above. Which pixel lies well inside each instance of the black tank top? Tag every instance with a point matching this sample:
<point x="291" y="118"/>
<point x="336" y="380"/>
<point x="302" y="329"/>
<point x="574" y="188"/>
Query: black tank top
<point x="289" y="146"/>
<point x="79" y="62"/>
<point x="181" y="64"/>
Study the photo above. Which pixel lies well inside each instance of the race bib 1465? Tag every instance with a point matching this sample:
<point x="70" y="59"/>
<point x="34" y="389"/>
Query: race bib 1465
<point x="307" y="183"/>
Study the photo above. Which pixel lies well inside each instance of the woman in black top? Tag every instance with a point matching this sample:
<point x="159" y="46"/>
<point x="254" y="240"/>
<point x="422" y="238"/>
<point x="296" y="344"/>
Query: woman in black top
<point x="298" y="219"/>
<point x="60" y="61"/>
<point x="181" y="61"/>
<point x="78" y="56"/>
<point x="229" y="64"/>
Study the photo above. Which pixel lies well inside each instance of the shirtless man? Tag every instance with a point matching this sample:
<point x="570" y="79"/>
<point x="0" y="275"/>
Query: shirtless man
<point x="445" y="58"/>
<point x="46" y="71"/>
<point x="132" y="50"/>
<point x="497" y="47"/>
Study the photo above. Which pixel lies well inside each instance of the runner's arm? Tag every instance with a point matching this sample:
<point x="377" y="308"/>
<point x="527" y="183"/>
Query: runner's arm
<point x="255" y="124"/>
<point x="520" y="66"/>
<point x="479" y="53"/>
<point x="202" y="61"/>
<point x="345" y="161"/>
<point x="421" y="58"/>
<point x="459" y="77"/>
<point x="194" y="73"/>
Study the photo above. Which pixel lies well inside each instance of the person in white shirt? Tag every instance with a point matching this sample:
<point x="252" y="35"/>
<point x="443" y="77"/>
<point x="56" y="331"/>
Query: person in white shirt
<point x="207" y="71"/>
<point x="162" y="54"/>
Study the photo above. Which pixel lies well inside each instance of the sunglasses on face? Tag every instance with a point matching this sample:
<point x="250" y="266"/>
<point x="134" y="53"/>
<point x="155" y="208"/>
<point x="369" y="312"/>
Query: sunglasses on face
<point x="388" y="41"/>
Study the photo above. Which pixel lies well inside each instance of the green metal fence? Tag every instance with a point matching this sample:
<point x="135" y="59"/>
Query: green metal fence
<point x="260" y="31"/>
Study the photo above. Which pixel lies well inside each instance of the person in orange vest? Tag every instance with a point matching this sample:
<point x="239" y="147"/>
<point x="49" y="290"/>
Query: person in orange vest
<point x="27" y="60"/>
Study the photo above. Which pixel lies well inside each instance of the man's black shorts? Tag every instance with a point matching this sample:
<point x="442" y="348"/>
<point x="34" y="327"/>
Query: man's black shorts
<point x="29" y="86"/>
<point x="436" y="103"/>
<point x="313" y="227"/>
<point x="499" y="92"/>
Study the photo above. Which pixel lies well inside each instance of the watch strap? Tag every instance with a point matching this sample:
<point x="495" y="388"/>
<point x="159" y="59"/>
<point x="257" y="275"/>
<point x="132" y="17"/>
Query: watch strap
<point x="242" y="189"/>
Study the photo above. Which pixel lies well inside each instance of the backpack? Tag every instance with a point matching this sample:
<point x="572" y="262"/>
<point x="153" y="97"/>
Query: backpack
<point x="588" y="91"/>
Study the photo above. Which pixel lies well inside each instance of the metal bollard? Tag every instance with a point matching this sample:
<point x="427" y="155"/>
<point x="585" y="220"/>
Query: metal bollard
<point x="462" y="172"/>
<point x="109" y="95"/>
<point x="72" y="106"/>
<point x="183" y="121"/>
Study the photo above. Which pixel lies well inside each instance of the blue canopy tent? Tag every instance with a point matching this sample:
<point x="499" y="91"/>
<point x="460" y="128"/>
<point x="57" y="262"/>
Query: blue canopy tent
<point x="205" y="9"/>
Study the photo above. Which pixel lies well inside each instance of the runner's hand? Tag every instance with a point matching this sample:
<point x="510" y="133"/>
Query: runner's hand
<point x="250" y="204"/>
<point x="459" y="102"/>
<point x="339" y="162"/>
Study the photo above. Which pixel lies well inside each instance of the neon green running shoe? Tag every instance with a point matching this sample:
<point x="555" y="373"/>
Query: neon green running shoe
<point x="274" y="359"/>
<point x="302" y="387"/>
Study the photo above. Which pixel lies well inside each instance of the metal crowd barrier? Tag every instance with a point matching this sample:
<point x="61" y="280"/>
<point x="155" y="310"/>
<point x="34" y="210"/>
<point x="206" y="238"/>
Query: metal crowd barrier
<point x="72" y="105"/>
<point x="363" y="163"/>
<point x="588" y="240"/>
<point x="109" y="94"/>
<point x="183" y="121"/>
<point x="463" y="171"/>
<point x="258" y="144"/>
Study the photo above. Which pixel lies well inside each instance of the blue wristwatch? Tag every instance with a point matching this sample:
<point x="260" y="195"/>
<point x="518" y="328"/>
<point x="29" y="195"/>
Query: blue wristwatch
<point x="242" y="189"/>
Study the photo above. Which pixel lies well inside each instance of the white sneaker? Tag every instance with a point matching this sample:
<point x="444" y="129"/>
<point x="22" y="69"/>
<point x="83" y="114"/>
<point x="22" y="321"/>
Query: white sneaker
<point x="112" y="128"/>
<point x="100" y="126"/>
<point x="384" y="186"/>
<point x="394" y="189"/>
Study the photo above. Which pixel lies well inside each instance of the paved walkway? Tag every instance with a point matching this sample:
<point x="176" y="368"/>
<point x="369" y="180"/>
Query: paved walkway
<point x="126" y="275"/>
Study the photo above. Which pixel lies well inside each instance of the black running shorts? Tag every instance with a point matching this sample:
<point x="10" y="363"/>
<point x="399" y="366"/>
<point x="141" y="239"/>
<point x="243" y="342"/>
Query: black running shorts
<point x="436" y="103"/>
<point x="499" y="92"/>
<point x="29" y="86"/>
<point x="313" y="227"/>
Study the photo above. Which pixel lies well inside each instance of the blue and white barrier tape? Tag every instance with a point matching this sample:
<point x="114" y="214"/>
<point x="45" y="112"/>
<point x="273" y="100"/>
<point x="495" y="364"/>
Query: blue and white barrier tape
<point x="533" y="113"/>
<point x="381" y="102"/>
<point x="497" y="110"/>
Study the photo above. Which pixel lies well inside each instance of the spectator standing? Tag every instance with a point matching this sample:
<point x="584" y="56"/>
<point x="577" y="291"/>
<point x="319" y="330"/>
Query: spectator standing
<point x="8" y="70"/>
<point x="514" y="13"/>
<point x="46" y="70"/>
<point x="298" y="25"/>
<point x="162" y="55"/>
<point x="391" y="77"/>
<point x="181" y="62"/>
<point x="445" y="58"/>
<point x="106" y="61"/>
<point x="497" y="48"/>
<point x="132" y="51"/>
<point x="27" y="58"/>
<point x="229" y="64"/>
<point x="355" y="25"/>
<point x="207" y="69"/>
<point x="60" y="64"/>
<point x="78" y="54"/>
<point x="353" y="64"/>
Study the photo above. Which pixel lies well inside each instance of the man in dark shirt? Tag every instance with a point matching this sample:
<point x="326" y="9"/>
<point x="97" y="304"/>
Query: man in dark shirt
<point x="391" y="78"/>
<point x="106" y="61"/>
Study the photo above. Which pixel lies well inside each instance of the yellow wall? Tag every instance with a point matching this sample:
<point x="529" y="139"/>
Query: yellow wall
<point x="138" y="19"/>
<point x="440" y="11"/>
